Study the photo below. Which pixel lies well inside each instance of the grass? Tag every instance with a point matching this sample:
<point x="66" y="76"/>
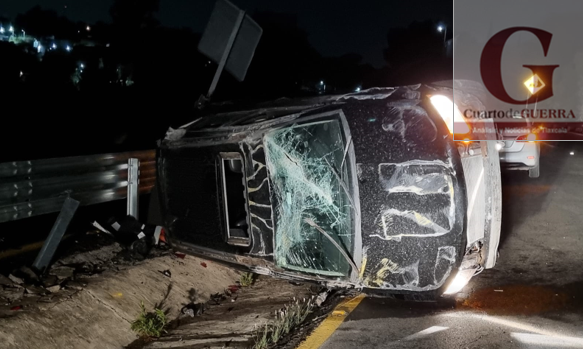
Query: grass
<point x="285" y="321"/>
<point x="150" y="324"/>
<point x="247" y="279"/>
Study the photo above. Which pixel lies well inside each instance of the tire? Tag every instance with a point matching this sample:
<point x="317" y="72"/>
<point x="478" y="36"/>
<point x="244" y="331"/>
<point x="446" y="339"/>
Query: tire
<point x="534" y="172"/>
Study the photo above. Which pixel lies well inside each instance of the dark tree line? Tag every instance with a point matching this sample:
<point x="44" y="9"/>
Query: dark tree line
<point x="138" y="76"/>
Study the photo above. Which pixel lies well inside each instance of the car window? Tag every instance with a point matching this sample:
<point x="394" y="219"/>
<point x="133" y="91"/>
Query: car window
<point x="309" y="177"/>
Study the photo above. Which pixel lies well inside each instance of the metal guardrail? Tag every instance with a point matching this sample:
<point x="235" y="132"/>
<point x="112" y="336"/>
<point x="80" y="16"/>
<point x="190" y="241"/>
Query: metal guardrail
<point x="32" y="188"/>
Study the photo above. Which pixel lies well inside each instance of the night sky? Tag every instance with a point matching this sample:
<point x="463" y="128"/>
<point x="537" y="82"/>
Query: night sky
<point x="335" y="27"/>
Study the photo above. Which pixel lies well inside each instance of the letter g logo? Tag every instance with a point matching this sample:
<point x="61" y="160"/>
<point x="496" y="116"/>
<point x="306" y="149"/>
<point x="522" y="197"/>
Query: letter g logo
<point x="491" y="64"/>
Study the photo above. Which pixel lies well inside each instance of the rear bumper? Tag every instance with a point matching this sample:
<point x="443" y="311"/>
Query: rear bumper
<point x="520" y="157"/>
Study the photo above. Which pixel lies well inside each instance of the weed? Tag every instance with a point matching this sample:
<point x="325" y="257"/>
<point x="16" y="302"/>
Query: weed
<point x="150" y="324"/>
<point x="247" y="279"/>
<point x="286" y="319"/>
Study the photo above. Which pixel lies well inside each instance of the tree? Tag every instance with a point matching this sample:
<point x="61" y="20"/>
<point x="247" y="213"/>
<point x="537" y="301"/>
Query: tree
<point x="282" y="60"/>
<point x="132" y="15"/>
<point x="39" y="22"/>
<point x="417" y="54"/>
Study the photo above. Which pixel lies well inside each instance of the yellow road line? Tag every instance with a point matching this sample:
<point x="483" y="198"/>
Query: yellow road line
<point x="331" y="323"/>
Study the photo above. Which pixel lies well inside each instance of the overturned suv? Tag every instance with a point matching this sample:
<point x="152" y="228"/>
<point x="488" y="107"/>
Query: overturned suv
<point x="367" y="190"/>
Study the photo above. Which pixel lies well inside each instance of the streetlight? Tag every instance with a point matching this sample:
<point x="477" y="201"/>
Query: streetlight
<point x="68" y="48"/>
<point x="1" y="30"/>
<point x="442" y="28"/>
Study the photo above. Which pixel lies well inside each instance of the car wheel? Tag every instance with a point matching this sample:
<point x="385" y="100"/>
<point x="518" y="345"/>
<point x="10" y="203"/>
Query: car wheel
<point x="534" y="172"/>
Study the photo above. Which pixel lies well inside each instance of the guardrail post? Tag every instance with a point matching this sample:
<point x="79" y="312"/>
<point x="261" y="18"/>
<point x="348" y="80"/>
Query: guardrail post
<point x="52" y="242"/>
<point x="133" y="188"/>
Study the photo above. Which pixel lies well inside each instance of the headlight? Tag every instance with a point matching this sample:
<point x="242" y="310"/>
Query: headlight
<point x="460" y="280"/>
<point x="449" y="112"/>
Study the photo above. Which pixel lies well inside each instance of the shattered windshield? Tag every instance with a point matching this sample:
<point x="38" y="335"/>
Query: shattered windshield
<point x="308" y="170"/>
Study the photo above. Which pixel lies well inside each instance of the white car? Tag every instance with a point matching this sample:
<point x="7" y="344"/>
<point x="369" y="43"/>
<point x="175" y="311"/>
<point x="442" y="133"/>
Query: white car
<point x="520" y="153"/>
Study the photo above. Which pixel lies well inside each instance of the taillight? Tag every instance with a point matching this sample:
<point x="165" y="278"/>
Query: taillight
<point x="531" y="137"/>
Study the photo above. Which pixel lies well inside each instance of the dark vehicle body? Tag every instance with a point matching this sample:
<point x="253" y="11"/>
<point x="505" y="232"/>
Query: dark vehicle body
<point x="366" y="190"/>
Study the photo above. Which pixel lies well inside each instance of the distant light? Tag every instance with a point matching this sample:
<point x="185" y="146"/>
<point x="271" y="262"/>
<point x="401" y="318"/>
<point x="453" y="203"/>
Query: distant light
<point x="54" y="46"/>
<point x="440" y="29"/>
<point x="357" y="89"/>
<point x="39" y="48"/>
<point x="68" y="48"/>
<point x="88" y="28"/>
<point x="321" y="82"/>
<point x="21" y="73"/>
<point x="82" y="65"/>
<point x="534" y="84"/>
<point x="1" y="30"/>
<point x="11" y="29"/>
<point x="572" y="153"/>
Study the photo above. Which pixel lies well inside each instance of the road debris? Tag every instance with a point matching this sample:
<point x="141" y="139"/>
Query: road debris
<point x="217" y="298"/>
<point x="27" y="274"/>
<point x="12" y="294"/>
<point x="321" y="298"/>
<point x="15" y="279"/>
<point x="203" y="264"/>
<point x="50" y="280"/>
<point x="194" y="309"/>
<point x="165" y="272"/>
<point x="75" y="285"/>
<point x="138" y="237"/>
<point x="54" y="289"/>
<point x="31" y="289"/>
<point x="62" y="272"/>
<point x="4" y="281"/>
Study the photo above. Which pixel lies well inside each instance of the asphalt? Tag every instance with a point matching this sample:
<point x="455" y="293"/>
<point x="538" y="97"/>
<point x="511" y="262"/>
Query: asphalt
<point x="533" y="298"/>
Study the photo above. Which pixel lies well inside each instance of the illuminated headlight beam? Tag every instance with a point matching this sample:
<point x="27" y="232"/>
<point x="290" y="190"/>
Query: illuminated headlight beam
<point x="539" y="340"/>
<point x="425" y="332"/>
<point x="505" y="322"/>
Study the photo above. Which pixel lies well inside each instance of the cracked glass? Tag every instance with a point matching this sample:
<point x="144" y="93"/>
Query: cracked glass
<point x="307" y="165"/>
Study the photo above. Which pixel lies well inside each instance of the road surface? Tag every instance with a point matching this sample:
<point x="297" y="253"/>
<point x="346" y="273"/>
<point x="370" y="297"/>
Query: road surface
<point x="534" y="296"/>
